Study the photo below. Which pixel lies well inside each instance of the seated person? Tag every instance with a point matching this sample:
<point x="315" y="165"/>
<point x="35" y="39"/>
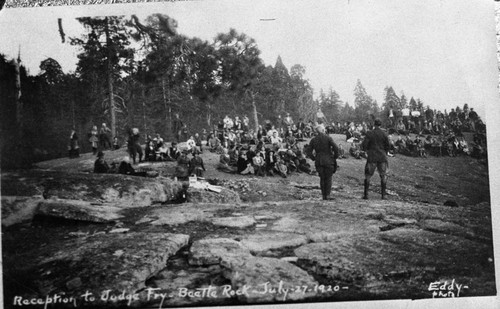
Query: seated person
<point x="126" y="168"/>
<point x="100" y="165"/>
<point x="223" y="164"/>
<point x="400" y="145"/>
<point x="214" y="143"/>
<point x="276" y="140"/>
<point x="190" y="144"/>
<point x="173" y="152"/>
<point x="158" y="141"/>
<point x="464" y="147"/>
<point x="291" y="142"/>
<point x="420" y="148"/>
<point x="198" y="143"/>
<point x="303" y="166"/>
<point x="233" y="155"/>
<point x="280" y="166"/>
<point x="341" y="151"/>
<point x="150" y="151"/>
<point x="270" y="162"/>
<point x="244" y="166"/>
<point x="401" y="128"/>
<point x="271" y="132"/>
<point x="291" y="161"/>
<point x="196" y="166"/>
<point x="182" y="168"/>
<point x="436" y="147"/>
<point x="299" y="136"/>
<point x="355" y="149"/>
<point x="259" y="165"/>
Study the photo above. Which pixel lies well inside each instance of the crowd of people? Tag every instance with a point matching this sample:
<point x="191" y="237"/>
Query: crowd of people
<point x="275" y="148"/>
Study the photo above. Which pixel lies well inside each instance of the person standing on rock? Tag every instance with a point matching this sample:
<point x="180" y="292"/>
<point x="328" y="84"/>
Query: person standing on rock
<point x="104" y="141"/>
<point x="324" y="152"/>
<point x="377" y="145"/>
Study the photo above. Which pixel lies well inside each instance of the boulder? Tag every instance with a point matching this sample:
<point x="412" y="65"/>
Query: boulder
<point x="261" y="242"/>
<point x="18" y="209"/>
<point x="262" y="279"/>
<point x="121" y="190"/>
<point x="116" y="262"/>
<point x="78" y="210"/>
<point x="210" y="251"/>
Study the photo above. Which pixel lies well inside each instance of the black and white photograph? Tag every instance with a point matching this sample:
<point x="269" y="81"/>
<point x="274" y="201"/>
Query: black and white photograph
<point x="250" y="154"/>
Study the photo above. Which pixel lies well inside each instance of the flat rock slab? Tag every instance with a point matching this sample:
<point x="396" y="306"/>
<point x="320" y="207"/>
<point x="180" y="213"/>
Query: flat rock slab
<point x="234" y="222"/>
<point x="175" y="215"/>
<point x="18" y="209"/>
<point x="262" y="279"/>
<point x="116" y="262"/>
<point x="78" y="210"/>
<point x="349" y="258"/>
<point x="364" y="260"/>
<point x="264" y="241"/>
<point x="210" y="251"/>
<point x="121" y="190"/>
<point x="453" y="250"/>
<point x="439" y="226"/>
<point x="204" y="196"/>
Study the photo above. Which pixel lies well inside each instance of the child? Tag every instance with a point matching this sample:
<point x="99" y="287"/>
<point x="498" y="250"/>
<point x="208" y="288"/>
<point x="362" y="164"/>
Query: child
<point x="196" y="166"/>
<point x="258" y="164"/>
<point x="116" y="146"/>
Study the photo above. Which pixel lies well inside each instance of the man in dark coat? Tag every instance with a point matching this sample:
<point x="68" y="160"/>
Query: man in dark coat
<point x="376" y="144"/>
<point x="100" y="165"/>
<point x="324" y="152"/>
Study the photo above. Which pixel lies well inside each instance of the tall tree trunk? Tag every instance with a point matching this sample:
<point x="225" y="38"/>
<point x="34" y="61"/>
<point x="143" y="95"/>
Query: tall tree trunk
<point x="130" y="105"/>
<point x="19" y="102"/>
<point x="110" y="82"/>
<point x="144" y="110"/>
<point x="209" y="114"/>
<point x="254" y="110"/>
<point x="166" y="104"/>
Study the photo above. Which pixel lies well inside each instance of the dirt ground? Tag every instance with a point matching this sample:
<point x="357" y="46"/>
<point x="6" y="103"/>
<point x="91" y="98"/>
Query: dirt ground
<point x="413" y="228"/>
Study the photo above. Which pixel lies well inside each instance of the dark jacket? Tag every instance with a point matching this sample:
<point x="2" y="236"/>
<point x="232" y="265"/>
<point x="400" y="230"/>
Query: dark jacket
<point x="376" y="144"/>
<point x="325" y="150"/>
<point x="100" y="166"/>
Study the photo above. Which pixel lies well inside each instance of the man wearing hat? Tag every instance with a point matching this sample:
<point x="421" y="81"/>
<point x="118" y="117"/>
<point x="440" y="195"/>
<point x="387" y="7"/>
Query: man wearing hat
<point x="100" y="165"/>
<point x="376" y="144"/>
<point x="324" y="152"/>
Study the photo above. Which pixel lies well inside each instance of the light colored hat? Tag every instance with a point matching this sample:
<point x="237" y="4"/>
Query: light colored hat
<point x="320" y="128"/>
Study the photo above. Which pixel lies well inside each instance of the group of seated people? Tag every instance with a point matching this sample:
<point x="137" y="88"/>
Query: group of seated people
<point x="440" y="145"/>
<point x="186" y="166"/>
<point x="158" y="150"/>
<point x="260" y="160"/>
<point x="230" y="132"/>
<point x="124" y="167"/>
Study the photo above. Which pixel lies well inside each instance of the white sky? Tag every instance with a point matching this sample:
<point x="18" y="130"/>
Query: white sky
<point x="442" y="52"/>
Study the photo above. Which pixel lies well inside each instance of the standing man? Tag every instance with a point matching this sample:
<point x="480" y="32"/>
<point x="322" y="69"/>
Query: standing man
<point x="376" y="144"/>
<point x="104" y="141"/>
<point x="324" y="152"/>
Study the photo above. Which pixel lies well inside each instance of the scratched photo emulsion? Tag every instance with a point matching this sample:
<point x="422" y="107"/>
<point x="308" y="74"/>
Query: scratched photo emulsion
<point x="222" y="153"/>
